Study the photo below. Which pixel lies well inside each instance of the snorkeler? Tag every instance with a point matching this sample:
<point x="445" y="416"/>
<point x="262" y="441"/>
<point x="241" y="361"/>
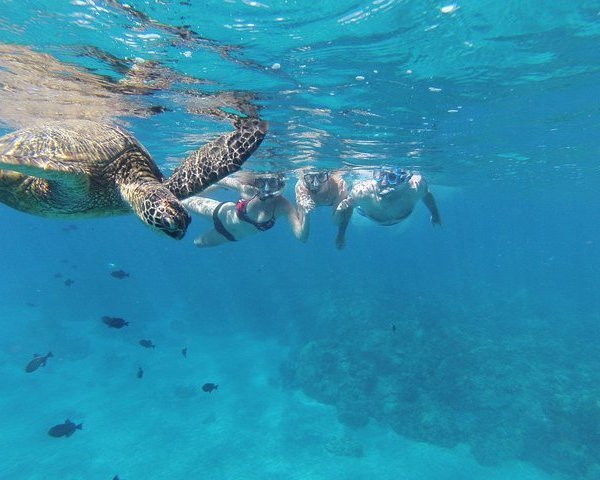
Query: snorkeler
<point x="261" y="204"/>
<point x="389" y="197"/>
<point x="321" y="188"/>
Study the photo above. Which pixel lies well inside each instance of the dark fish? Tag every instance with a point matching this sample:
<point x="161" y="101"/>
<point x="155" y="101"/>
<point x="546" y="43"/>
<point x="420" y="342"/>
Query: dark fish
<point x="116" y="477"/>
<point x="140" y="372"/>
<point x="69" y="228"/>
<point x="37" y="362"/>
<point x="68" y="282"/>
<point x="159" y="109"/>
<point x="120" y="274"/>
<point x="114" y="322"/>
<point x="147" y="343"/>
<point x="209" y="387"/>
<point x="393" y="328"/>
<point x="184" y="352"/>
<point x="64" y="429"/>
<point x="58" y="275"/>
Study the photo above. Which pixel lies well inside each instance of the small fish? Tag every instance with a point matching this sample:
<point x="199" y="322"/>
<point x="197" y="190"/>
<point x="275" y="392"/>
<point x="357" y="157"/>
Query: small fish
<point x="140" y="372"/>
<point x="64" y="429"/>
<point x="58" y="275"/>
<point x="158" y="109"/>
<point x="68" y="282"/>
<point x="184" y="352"/>
<point x="37" y="362"/>
<point x="69" y="228"/>
<point x="209" y="387"/>
<point x="114" y="322"/>
<point x="393" y="328"/>
<point x="120" y="274"/>
<point x="116" y="477"/>
<point x="146" y="343"/>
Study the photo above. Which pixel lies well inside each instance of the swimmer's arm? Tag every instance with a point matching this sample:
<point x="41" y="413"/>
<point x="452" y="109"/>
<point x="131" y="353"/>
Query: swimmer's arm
<point x="233" y="184"/>
<point x="429" y="202"/>
<point x="303" y="198"/>
<point x="200" y="205"/>
<point x="297" y="221"/>
<point x="342" y="190"/>
<point x="360" y="192"/>
<point x="341" y="216"/>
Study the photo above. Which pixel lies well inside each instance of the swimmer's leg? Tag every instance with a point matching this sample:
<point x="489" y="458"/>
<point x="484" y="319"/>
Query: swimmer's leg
<point x="210" y="238"/>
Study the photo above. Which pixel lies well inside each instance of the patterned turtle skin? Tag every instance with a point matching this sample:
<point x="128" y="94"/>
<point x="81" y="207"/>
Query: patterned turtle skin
<point x="79" y="169"/>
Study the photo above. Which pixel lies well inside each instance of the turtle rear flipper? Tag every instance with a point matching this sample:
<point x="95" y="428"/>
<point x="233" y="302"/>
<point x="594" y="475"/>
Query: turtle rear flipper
<point x="217" y="159"/>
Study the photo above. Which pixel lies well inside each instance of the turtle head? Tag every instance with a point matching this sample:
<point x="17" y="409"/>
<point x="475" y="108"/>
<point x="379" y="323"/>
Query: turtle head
<point x="171" y="218"/>
<point x="168" y="216"/>
<point x="161" y="210"/>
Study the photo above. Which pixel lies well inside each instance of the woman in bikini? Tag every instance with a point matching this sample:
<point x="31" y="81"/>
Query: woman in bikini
<point x="261" y="204"/>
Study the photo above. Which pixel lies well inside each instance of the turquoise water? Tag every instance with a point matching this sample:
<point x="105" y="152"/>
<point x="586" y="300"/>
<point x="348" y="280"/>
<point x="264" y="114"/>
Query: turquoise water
<point x="492" y="371"/>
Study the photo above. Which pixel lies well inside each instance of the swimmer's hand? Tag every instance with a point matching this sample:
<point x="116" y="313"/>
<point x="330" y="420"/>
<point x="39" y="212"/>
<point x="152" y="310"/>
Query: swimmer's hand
<point x="436" y="220"/>
<point x="345" y="204"/>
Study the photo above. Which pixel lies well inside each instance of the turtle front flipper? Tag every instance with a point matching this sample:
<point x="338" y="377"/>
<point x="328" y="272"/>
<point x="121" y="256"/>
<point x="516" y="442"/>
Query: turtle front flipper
<point x="217" y="159"/>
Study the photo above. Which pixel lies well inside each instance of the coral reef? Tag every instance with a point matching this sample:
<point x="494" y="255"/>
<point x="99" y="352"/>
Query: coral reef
<point x="510" y="393"/>
<point x="344" y="447"/>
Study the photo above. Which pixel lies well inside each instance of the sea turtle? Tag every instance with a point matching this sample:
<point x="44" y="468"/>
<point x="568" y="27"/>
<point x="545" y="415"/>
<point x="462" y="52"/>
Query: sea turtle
<point x="87" y="169"/>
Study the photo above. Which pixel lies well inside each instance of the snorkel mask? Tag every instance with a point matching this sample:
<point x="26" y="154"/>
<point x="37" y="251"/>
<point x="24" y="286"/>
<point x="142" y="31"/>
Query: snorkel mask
<point x="269" y="186"/>
<point x="314" y="180"/>
<point x="390" y="179"/>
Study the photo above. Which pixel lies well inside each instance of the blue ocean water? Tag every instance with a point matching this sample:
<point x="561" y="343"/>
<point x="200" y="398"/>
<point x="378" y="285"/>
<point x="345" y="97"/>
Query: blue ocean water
<point x="463" y="352"/>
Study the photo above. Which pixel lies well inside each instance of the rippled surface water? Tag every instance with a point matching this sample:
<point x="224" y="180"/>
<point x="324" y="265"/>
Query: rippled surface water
<point x="491" y="89"/>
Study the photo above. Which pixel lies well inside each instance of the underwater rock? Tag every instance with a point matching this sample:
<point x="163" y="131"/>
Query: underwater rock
<point x="353" y="408"/>
<point x="497" y="446"/>
<point x="344" y="447"/>
<point x="520" y="396"/>
<point x="593" y="472"/>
